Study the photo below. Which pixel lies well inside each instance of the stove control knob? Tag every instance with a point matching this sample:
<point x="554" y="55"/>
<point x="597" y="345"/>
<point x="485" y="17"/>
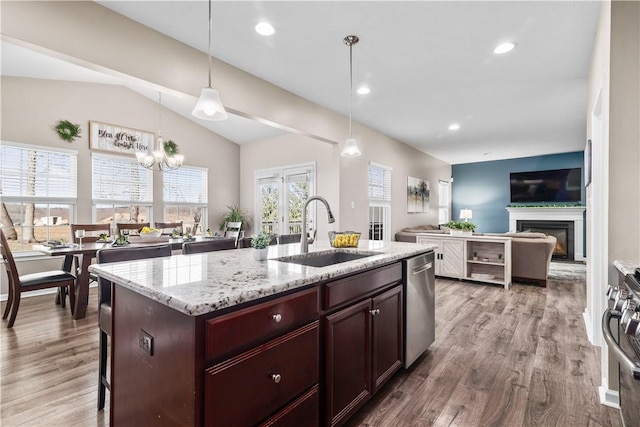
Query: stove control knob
<point x="633" y="325"/>
<point x="612" y="292"/>
<point x="627" y="314"/>
<point x="620" y="300"/>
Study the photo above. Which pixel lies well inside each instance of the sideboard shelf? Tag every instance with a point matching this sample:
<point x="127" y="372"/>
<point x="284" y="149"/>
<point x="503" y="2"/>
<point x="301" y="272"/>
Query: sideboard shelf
<point x="455" y="257"/>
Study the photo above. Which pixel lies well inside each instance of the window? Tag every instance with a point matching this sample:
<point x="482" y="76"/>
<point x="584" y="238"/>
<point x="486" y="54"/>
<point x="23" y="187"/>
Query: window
<point x="379" y="202"/>
<point x="443" y="202"/>
<point x="280" y="194"/>
<point x="122" y="191"/>
<point x="39" y="192"/>
<point x="185" y="197"/>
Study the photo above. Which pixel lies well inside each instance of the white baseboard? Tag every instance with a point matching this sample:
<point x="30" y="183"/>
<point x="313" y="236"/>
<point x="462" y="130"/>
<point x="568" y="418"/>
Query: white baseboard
<point x="609" y="397"/>
<point x="588" y="326"/>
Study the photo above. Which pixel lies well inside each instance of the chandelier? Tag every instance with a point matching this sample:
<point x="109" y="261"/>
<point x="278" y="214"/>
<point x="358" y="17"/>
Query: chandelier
<point x="165" y="154"/>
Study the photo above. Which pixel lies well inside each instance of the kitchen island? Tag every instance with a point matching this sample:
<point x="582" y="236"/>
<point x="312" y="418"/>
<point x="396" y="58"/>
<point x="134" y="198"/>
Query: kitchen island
<point x="221" y="339"/>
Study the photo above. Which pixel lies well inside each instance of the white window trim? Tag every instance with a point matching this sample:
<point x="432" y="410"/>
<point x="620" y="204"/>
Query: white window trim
<point x="382" y="203"/>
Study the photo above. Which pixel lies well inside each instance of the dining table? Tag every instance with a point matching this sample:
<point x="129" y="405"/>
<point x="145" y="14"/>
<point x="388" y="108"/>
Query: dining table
<point x="87" y="252"/>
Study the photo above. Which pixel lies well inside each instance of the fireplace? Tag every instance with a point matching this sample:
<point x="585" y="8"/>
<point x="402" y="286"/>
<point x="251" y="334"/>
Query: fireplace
<point x="562" y="230"/>
<point x="574" y="215"/>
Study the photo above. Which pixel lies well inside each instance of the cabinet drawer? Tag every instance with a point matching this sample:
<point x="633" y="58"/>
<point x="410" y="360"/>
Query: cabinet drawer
<point x="360" y="285"/>
<point x="302" y="412"/>
<point x="245" y="389"/>
<point x="239" y="330"/>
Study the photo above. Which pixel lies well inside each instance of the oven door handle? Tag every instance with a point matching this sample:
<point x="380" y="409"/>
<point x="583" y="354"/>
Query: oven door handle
<point x="624" y="360"/>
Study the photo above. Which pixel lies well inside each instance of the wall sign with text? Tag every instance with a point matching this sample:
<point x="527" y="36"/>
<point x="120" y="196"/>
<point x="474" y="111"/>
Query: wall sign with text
<point x="118" y="139"/>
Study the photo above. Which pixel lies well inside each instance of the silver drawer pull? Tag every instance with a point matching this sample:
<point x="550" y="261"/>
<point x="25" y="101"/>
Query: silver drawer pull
<point x="374" y="311"/>
<point x="276" y="378"/>
<point x="277" y="317"/>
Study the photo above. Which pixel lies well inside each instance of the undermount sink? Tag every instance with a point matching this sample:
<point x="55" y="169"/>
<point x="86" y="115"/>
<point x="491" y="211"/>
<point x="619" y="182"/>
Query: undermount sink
<point x="324" y="259"/>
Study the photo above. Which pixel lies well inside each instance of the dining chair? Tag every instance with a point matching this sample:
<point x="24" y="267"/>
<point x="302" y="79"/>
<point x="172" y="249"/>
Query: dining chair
<point x="289" y="238"/>
<point x="232" y="230"/>
<point x="31" y="282"/>
<point x="129" y="226"/>
<point x="92" y="232"/>
<point x="208" y="246"/>
<point x="167" y="228"/>
<point x="104" y="303"/>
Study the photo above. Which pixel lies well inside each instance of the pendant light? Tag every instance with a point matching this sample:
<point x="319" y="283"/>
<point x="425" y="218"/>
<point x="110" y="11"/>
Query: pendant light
<point x="209" y="106"/>
<point x="350" y="148"/>
<point x="160" y="157"/>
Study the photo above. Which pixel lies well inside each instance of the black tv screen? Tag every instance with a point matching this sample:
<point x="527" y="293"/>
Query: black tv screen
<point x="559" y="185"/>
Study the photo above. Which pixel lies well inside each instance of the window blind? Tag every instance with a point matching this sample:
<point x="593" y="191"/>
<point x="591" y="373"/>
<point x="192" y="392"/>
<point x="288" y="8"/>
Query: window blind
<point x="31" y="172"/>
<point x="379" y="183"/>
<point x="120" y="180"/>
<point x="185" y="185"/>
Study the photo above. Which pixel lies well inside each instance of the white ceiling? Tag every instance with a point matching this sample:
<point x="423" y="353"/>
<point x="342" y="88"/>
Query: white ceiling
<point x="428" y="64"/>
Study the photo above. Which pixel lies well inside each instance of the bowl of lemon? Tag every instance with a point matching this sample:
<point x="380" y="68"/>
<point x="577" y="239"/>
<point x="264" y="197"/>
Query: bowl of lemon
<point x="148" y="232"/>
<point x="344" y="239"/>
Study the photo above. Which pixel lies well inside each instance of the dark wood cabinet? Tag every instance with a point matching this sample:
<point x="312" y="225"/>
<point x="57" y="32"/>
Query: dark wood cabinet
<point x="248" y="388"/>
<point x="363" y="343"/>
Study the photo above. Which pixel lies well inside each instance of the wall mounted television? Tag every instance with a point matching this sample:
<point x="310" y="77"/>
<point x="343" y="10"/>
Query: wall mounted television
<point x="551" y="186"/>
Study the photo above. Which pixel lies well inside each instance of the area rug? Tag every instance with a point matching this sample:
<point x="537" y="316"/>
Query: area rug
<point x="568" y="271"/>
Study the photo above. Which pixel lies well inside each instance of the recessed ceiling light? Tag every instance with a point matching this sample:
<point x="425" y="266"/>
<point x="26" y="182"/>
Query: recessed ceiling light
<point x="454" y="126"/>
<point x="363" y="90"/>
<point x="264" y="29"/>
<point x="504" y="48"/>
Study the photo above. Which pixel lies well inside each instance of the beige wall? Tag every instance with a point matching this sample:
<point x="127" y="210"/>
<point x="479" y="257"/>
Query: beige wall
<point x="614" y="196"/>
<point x="31" y="107"/>
<point x="624" y="138"/>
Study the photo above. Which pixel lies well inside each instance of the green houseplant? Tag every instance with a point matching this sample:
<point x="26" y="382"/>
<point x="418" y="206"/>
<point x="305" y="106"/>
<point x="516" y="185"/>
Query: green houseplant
<point x="234" y="214"/>
<point x="461" y="226"/>
<point x="260" y="243"/>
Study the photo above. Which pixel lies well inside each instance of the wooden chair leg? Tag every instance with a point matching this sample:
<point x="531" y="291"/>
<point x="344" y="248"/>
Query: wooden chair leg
<point x="102" y="369"/>
<point x="14" y="309"/>
<point x="72" y="295"/>
<point x="9" y="302"/>
<point x="62" y="296"/>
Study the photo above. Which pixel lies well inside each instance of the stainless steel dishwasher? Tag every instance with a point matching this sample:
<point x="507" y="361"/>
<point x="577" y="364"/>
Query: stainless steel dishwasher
<point x="419" y="303"/>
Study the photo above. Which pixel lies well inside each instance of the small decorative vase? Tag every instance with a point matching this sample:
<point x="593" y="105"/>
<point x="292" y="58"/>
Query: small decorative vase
<point x="260" y="254"/>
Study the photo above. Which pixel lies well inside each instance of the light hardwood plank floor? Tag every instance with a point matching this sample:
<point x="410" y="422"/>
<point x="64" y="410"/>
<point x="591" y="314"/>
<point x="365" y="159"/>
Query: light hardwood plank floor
<point x="501" y="358"/>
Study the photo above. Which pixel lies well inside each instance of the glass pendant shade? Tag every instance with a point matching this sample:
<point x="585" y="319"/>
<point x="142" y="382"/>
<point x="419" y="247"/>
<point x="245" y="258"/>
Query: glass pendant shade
<point x="209" y="106"/>
<point x="350" y="148"/>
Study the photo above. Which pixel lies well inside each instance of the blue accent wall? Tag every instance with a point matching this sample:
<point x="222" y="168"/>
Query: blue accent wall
<point x="484" y="187"/>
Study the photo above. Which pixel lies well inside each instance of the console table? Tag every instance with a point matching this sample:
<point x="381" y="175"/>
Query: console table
<point x="479" y="258"/>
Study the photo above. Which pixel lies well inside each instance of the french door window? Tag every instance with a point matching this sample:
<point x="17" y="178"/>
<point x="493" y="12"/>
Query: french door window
<point x="280" y="195"/>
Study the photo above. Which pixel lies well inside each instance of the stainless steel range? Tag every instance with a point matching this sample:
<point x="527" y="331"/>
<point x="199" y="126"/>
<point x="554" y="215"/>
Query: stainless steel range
<point x="626" y="308"/>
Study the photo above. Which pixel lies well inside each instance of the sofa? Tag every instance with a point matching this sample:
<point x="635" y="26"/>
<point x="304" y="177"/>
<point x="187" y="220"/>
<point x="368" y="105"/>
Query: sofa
<point x="531" y="256"/>
<point x="530" y="252"/>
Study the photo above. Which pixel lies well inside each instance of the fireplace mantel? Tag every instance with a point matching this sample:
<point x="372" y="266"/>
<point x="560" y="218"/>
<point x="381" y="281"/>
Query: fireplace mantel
<point x="573" y="213"/>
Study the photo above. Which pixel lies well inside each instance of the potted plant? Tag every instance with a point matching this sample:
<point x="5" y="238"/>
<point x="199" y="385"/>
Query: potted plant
<point x="234" y="214"/>
<point x="461" y="228"/>
<point x="475" y="256"/>
<point x="260" y="244"/>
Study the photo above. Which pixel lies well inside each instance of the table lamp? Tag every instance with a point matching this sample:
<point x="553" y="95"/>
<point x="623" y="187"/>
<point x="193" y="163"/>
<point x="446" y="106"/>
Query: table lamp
<point x="466" y="214"/>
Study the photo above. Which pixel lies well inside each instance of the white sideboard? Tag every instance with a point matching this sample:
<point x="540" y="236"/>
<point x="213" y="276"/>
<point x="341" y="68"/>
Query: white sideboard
<point x="479" y="258"/>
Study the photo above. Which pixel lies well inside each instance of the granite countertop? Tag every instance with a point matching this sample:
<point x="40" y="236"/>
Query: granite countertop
<point x="201" y="283"/>
<point x="626" y="267"/>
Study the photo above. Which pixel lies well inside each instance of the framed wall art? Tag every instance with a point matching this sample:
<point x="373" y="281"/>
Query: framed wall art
<point x="118" y="139"/>
<point x="417" y="195"/>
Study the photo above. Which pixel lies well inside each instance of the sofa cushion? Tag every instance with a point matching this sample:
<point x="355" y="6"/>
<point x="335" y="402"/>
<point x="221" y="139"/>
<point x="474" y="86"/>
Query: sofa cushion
<point x="527" y="235"/>
<point x="420" y="228"/>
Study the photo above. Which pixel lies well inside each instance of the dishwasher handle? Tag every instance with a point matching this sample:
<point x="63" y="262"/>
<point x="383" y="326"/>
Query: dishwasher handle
<point x="422" y="268"/>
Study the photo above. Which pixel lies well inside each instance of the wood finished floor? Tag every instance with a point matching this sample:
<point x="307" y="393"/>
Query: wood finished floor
<point x="501" y="358"/>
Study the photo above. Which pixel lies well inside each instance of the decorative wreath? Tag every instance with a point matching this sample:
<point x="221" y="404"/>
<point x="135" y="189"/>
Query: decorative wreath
<point x="170" y="148"/>
<point x="68" y="131"/>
